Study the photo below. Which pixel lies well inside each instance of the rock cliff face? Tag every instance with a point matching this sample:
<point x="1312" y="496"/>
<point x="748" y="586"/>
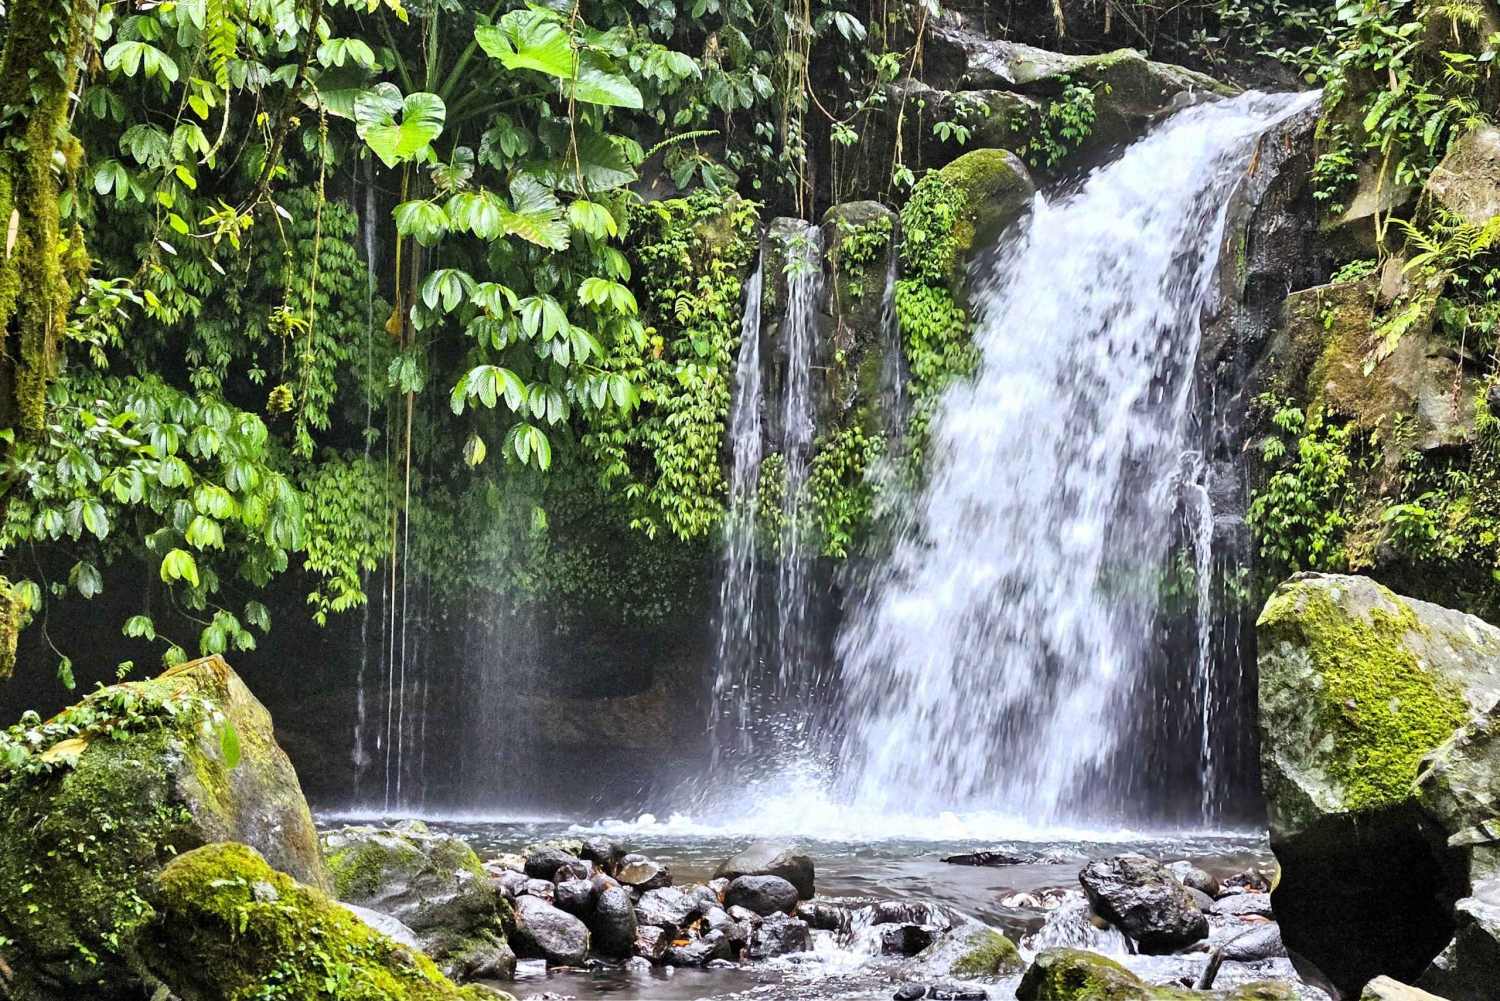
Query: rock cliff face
<point x="1377" y="716"/>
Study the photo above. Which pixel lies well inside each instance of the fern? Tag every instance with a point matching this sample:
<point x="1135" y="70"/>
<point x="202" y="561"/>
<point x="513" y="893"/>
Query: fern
<point x="223" y="39"/>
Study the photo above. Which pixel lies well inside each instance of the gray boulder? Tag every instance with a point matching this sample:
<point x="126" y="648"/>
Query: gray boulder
<point x="1252" y="944"/>
<point x="1378" y="716"/>
<point x="778" y="935"/>
<point x="764" y="895"/>
<point x="1195" y="878"/>
<point x="1467" y="182"/>
<point x="772" y="858"/>
<point x="1386" y="989"/>
<point x="904" y="940"/>
<point x="1145" y="901"/>
<point x="544" y="932"/>
<point x="543" y="862"/>
<point x="650" y="942"/>
<point x="1243" y="905"/>
<point x="613" y="922"/>
<point x="666" y="907"/>
<point x="699" y="951"/>
<point x="642" y="873"/>
<point x="603" y="852"/>
<point x="388" y="926"/>
<point x="577" y="897"/>
<point x="736" y="932"/>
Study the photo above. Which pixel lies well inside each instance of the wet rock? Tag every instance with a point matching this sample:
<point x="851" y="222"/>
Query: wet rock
<point x="736" y="932"/>
<point x="901" y="912"/>
<point x="225" y="924"/>
<point x="704" y="896"/>
<point x="1076" y="975"/>
<point x="987" y="953"/>
<point x="511" y="883"/>
<point x="503" y="863"/>
<point x="543" y="888"/>
<point x="1204" y="901"/>
<point x="577" y="897"/>
<point x="573" y="869"/>
<point x="903" y="940"/>
<point x="723" y="964"/>
<point x="604" y="852"/>
<point x="543" y="862"/>
<point x="642" y="873"/>
<point x="1378" y="718"/>
<point x="1251" y="881"/>
<point x="650" y="942"/>
<point x="910" y="992"/>
<point x="778" y="935"/>
<point x="699" y="951"/>
<point x="719" y="885"/>
<point x="1469" y="968"/>
<point x="762" y="894"/>
<point x="1386" y="989"/>
<point x="637" y="965"/>
<point x="823" y="916"/>
<point x="70" y="918"/>
<point x="956" y="992"/>
<point x="1261" y="941"/>
<point x="990" y="858"/>
<point x="481" y="959"/>
<point x="1244" y="905"/>
<point x="772" y="858"/>
<point x="744" y="915"/>
<point x="613" y="922"/>
<point x="666" y="907"/>
<point x="1194" y="878"/>
<point x="1145" y="901"/>
<point x="386" y="925"/>
<point x="544" y="932"/>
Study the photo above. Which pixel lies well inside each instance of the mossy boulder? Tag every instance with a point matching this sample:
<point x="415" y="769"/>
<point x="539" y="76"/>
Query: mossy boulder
<point x="228" y="927"/>
<point x="1077" y="975"/>
<point x="960" y="207"/>
<point x="1467" y="182"/>
<point x="434" y="884"/>
<point x="987" y="953"/>
<point x="95" y="801"/>
<point x="1381" y="778"/>
<point x="860" y="238"/>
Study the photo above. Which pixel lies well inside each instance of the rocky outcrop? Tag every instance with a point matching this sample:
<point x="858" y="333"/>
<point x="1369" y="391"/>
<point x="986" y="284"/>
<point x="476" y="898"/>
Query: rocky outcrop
<point x="1386" y="989"/>
<point x="987" y="953"/>
<point x="1467" y="182"/>
<point x="96" y="800"/>
<point x="1145" y="901"/>
<point x="544" y="932"/>
<point x="434" y="885"/>
<point x="226" y="927"/>
<point x="1376" y="713"/>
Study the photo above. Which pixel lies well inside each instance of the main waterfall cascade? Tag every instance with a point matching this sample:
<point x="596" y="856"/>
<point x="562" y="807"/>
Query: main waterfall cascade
<point x="1002" y="655"/>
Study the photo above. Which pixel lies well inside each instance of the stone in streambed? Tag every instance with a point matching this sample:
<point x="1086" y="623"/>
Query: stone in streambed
<point x="764" y="895"/>
<point x="1078" y="975"/>
<point x="1386" y="989"/>
<point x="772" y="858"/>
<point x="577" y="897"/>
<point x="987" y="953"/>
<point x="650" y="942"/>
<point x="544" y="932"/>
<point x="903" y="940"/>
<point x="699" y="951"/>
<point x="543" y="862"/>
<point x="1243" y="905"/>
<point x="666" y="907"/>
<point x="1260" y="941"/>
<point x="545" y="889"/>
<point x="224" y="924"/>
<point x="777" y="935"/>
<point x="822" y="916"/>
<point x="1204" y="901"/>
<point x="642" y="873"/>
<point x="613" y="922"/>
<point x="604" y="852"/>
<point x="717" y="919"/>
<point x="1194" y="878"/>
<point x="705" y="896"/>
<point x="511" y="883"/>
<point x="1145" y="901"/>
<point x="573" y="869"/>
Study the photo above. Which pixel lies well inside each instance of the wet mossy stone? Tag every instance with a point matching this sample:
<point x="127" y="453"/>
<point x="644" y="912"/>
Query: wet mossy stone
<point x="1382" y="781"/>
<point x="432" y="883"/>
<point x="1078" y="975"/>
<point x="963" y="206"/>
<point x="95" y="801"/>
<point x="228" y="927"/>
<point x="988" y="953"/>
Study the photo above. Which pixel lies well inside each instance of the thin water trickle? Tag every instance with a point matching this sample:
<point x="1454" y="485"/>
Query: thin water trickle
<point x="997" y="660"/>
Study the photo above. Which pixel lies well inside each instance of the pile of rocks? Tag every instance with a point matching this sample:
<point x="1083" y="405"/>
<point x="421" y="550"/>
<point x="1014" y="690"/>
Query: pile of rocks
<point x="588" y="898"/>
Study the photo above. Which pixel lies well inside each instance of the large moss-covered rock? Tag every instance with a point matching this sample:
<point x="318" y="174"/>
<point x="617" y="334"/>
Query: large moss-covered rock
<point x="1077" y="975"/>
<point x="987" y="953"/>
<point x="228" y="927"/>
<point x="963" y="206"/>
<point x="95" y="801"/>
<point x="1467" y="182"/>
<point x="860" y="257"/>
<point x="433" y="884"/>
<point x="1374" y="714"/>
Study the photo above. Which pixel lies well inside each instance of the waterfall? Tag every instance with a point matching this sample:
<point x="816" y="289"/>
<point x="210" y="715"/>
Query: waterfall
<point x="735" y="655"/>
<point x="1002" y="655"/>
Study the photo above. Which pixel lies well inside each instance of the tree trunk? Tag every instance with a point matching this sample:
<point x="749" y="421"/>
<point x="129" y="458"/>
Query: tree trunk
<point x="45" y="45"/>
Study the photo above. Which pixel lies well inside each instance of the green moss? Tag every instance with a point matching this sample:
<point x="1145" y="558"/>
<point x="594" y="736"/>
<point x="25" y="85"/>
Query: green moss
<point x="1076" y="975"/>
<point x="989" y="954"/>
<point x="230" y="927"/>
<point x="1381" y="711"/>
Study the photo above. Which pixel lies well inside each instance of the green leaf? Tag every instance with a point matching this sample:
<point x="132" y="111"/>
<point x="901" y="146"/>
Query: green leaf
<point x="179" y="565"/>
<point x="140" y="625"/>
<point x="530" y="40"/>
<point x="598" y="83"/>
<point x="86" y="577"/>
<point x="424" y="220"/>
<point x="536" y="216"/>
<point x="474" y="450"/>
<point x="422" y="119"/>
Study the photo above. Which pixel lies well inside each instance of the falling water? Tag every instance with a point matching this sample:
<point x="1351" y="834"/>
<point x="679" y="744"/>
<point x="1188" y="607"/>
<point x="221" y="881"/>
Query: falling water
<point x="996" y="662"/>
<point x="735" y="655"/>
<point x="798" y="678"/>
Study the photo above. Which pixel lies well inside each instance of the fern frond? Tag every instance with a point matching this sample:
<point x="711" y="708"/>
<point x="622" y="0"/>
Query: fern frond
<point x="223" y="39"/>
